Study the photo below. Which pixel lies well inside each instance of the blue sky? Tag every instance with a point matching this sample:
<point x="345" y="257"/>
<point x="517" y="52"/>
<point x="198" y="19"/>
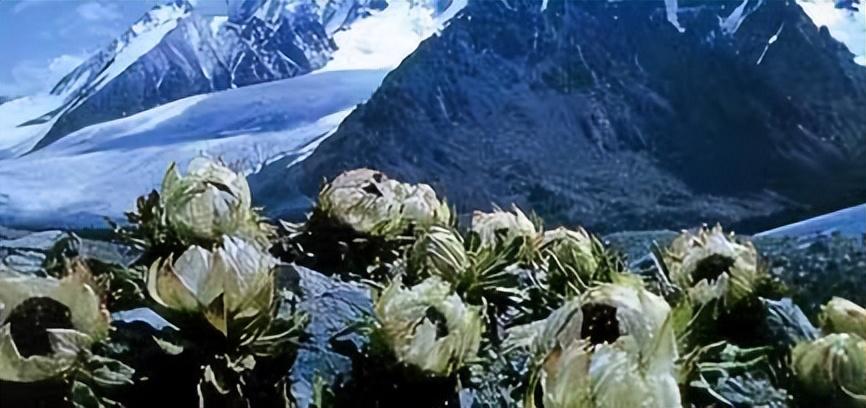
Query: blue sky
<point x="42" y="40"/>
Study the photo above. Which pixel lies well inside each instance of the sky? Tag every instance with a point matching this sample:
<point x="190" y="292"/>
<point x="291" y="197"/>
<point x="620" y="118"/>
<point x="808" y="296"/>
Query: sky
<point x="42" y="40"/>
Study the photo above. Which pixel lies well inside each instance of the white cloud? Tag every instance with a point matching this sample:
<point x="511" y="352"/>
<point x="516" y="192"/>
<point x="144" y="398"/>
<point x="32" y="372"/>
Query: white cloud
<point x="21" y="5"/>
<point x="29" y="76"/>
<point x="95" y="11"/>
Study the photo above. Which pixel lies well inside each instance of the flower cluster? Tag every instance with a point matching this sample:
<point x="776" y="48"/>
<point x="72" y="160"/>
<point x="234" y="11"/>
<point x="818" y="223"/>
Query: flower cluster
<point x="833" y="367"/>
<point x="404" y="306"/>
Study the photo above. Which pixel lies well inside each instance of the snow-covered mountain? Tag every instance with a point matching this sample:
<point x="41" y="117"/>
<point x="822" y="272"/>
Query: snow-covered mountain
<point x="106" y="132"/>
<point x="615" y="115"/>
<point x="27" y="120"/>
<point x="166" y="90"/>
<point x="173" y="52"/>
<point x="99" y="170"/>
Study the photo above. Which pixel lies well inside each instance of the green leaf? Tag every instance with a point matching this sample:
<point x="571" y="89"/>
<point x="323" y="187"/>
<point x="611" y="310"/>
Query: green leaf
<point x="108" y="372"/>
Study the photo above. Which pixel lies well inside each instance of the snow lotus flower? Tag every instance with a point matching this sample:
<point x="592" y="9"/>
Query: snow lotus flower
<point x="843" y="316"/>
<point x="612" y="347"/>
<point x="474" y="273"/>
<point x="232" y="286"/>
<point x="570" y="258"/>
<point x="428" y="326"/>
<point x="833" y="367"/>
<point x="572" y="247"/>
<point x="47" y="325"/>
<point x="713" y="265"/>
<point x="208" y="202"/>
<point x="502" y="227"/>
<point x="441" y="252"/>
<point x="371" y="203"/>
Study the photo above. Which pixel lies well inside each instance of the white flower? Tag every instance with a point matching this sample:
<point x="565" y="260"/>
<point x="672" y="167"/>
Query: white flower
<point x="612" y="347"/>
<point x="371" y="203"/>
<point x="502" y="227"/>
<point x="429" y="326"/>
<point x="66" y="302"/>
<point x="210" y="201"/>
<point x="230" y="284"/>
<point x="713" y="265"/>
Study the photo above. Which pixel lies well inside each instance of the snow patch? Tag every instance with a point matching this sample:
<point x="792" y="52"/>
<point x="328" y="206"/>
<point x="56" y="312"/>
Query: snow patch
<point x="733" y="21"/>
<point x="846" y="25"/>
<point x="850" y="222"/>
<point x="216" y="23"/>
<point x="386" y="37"/>
<point x="770" y="42"/>
<point x="16" y="139"/>
<point x="671" y="9"/>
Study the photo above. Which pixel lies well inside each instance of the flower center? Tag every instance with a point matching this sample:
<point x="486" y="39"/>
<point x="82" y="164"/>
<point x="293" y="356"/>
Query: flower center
<point x="712" y="267"/>
<point x="599" y="324"/>
<point x="29" y="320"/>
<point x="438" y="319"/>
<point x="371" y="188"/>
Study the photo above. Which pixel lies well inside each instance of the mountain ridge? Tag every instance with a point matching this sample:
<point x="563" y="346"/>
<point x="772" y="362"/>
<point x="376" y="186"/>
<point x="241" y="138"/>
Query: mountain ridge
<point x="557" y="110"/>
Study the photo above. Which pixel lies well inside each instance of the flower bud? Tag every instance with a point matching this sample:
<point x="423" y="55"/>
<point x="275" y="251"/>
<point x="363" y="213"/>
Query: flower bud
<point x="843" y="316"/>
<point x="833" y="367"/>
<point x="208" y="202"/>
<point x="371" y="203"/>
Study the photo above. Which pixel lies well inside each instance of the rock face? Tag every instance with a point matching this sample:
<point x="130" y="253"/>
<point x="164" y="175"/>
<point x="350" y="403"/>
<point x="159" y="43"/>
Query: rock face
<point x="26" y="252"/>
<point x="333" y="307"/>
<point x="615" y="115"/>
<point x="174" y="52"/>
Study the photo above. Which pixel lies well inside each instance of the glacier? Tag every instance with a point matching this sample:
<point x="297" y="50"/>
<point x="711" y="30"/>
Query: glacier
<point x="99" y="171"/>
<point x="17" y="140"/>
<point x="847" y="222"/>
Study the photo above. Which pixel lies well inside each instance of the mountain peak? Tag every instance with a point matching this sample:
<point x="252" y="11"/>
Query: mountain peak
<point x="136" y="41"/>
<point x="241" y="11"/>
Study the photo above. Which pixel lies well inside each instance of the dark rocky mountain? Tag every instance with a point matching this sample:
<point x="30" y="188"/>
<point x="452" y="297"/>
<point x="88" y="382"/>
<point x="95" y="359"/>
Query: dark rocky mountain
<point x="615" y="115"/>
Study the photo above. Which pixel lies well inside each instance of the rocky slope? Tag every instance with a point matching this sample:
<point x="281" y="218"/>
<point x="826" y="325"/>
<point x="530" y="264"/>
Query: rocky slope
<point x="615" y="115"/>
